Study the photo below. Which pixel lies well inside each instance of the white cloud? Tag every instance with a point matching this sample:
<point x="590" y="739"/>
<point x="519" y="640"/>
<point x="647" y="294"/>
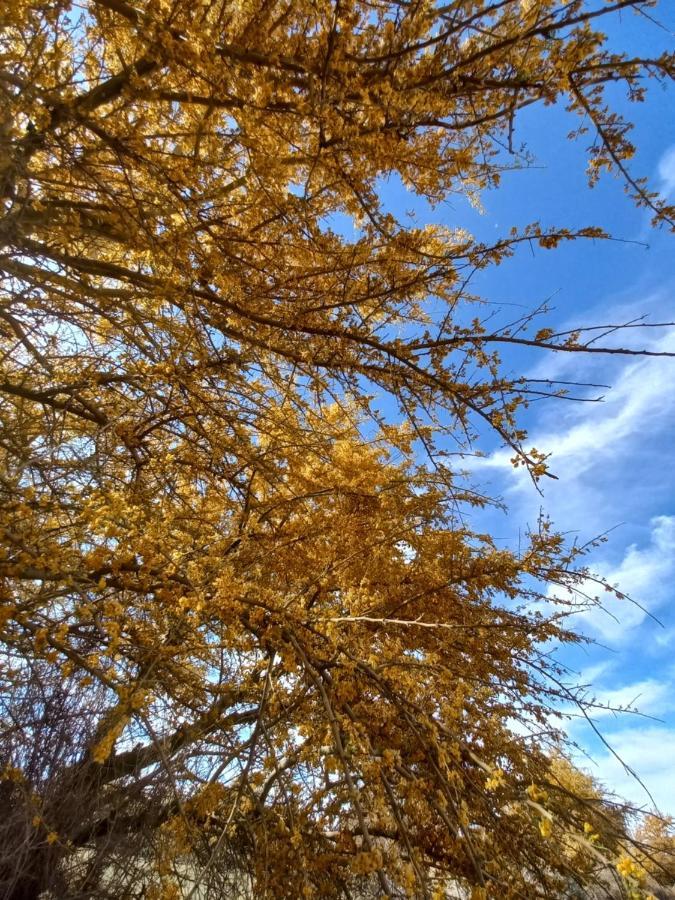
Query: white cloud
<point x="665" y="638"/>
<point x="647" y="751"/>
<point x="588" y="434"/>
<point x="638" y="740"/>
<point x="592" y="675"/>
<point x="666" y="171"/>
<point x="649" y="697"/>
<point x="641" y="743"/>
<point x="613" y="464"/>
<point x="645" y="574"/>
<point x="607" y="456"/>
<point x="638" y="701"/>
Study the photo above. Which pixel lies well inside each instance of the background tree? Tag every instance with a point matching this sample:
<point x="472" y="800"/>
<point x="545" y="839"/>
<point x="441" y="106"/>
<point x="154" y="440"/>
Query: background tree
<point x="249" y="642"/>
<point x="658" y="858"/>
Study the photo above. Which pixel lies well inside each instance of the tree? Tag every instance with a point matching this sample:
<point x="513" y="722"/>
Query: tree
<point x="658" y="857"/>
<point x="249" y="643"/>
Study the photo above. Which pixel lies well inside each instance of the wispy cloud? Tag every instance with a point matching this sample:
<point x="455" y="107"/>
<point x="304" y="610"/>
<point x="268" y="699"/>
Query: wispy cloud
<point x="647" y="751"/>
<point x="586" y="435"/>
<point x="613" y="462"/>
<point x="648" y="697"/>
<point x="645" y="574"/>
<point x="639" y="741"/>
<point x="606" y="456"/>
<point x="666" y="169"/>
<point x="665" y="639"/>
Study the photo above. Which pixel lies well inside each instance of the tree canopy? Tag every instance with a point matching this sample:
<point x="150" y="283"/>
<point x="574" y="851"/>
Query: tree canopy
<point x="250" y="645"/>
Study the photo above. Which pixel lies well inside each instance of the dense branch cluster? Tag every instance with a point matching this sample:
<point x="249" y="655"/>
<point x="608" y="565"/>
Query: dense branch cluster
<point x="249" y="643"/>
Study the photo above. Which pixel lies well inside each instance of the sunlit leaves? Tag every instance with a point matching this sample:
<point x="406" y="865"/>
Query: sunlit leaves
<point x="249" y="635"/>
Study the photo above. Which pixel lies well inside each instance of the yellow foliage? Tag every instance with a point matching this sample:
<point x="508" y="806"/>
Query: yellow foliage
<point x="545" y="827"/>
<point x="239" y="588"/>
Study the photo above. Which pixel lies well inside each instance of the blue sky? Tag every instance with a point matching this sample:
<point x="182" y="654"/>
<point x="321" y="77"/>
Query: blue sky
<point x="614" y="459"/>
